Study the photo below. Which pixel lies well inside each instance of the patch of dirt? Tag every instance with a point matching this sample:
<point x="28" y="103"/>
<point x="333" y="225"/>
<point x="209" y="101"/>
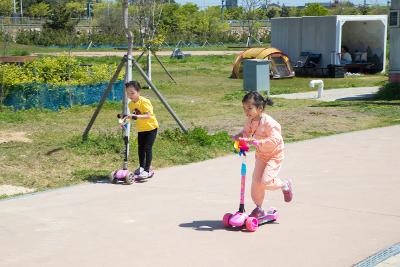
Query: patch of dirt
<point x="6" y="137"/>
<point x="10" y="190"/>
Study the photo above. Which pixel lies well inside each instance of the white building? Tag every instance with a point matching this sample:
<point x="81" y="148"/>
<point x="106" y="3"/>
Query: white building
<point x="365" y="36"/>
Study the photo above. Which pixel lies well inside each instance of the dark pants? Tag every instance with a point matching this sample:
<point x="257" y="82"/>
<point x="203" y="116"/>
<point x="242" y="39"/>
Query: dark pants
<point x="145" y="151"/>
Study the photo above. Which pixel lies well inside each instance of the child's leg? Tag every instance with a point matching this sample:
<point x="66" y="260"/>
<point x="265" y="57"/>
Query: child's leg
<point x="141" y="148"/>
<point x="148" y="148"/>
<point x="270" y="180"/>
<point x="257" y="185"/>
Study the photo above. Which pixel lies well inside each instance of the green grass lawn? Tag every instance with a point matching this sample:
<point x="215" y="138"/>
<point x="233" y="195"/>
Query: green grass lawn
<point x="204" y="96"/>
<point x="14" y="49"/>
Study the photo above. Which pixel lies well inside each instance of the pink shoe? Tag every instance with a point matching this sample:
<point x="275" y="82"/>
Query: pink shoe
<point x="288" y="192"/>
<point x="257" y="213"/>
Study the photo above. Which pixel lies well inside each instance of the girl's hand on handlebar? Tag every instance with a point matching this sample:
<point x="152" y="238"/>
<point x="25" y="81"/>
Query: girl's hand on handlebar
<point x="250" y="140"/>
<point x="234" y="137"/>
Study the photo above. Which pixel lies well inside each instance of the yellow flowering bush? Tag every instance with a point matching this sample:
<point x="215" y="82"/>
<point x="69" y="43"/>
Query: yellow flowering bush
<point x="59" y="71"/>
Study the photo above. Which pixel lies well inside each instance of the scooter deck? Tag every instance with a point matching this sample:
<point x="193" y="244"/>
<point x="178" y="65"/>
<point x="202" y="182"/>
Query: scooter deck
<point x="270" y="217"/>
<point x="138" y="178"/>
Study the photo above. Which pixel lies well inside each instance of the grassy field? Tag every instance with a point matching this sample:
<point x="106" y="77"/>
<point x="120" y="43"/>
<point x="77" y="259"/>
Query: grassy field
<point x="47" y="150"/>
<point x="13" y="49"/>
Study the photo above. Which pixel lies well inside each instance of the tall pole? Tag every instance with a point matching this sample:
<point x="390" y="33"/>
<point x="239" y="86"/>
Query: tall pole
<point x="22" y="14"/>
<point x="128" y="78"/>
<point x="15" y="9"/>
<point x="149" y="63"/>
<point x="394" y="54"/>
<point x="222" y="10"/>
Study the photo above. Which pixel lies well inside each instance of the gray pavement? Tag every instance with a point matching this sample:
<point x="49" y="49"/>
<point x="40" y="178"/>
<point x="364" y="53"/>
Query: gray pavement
<point x="346" y="208"/>
<point x="355" y="93"/>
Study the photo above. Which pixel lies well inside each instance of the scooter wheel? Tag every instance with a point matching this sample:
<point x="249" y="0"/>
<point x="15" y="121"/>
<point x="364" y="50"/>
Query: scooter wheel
<point x="112" y="177"/>
<point x="251" y="224"/>
<point x="130" y="178"/>
<point x="226" y="218"/>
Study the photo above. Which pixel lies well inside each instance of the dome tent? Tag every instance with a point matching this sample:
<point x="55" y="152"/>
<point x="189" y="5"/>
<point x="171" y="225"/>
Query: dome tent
<point x="280" y="66"/>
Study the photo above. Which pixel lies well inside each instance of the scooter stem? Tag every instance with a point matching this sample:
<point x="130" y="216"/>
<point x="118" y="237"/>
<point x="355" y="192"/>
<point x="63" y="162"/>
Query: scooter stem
<point x="243" y="184"/>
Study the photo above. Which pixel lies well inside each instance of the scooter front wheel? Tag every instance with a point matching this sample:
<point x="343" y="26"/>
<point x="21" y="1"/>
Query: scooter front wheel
<point x="130" y="178"/>
<point x="226" y="218"/>
<point x="251" y="224"/>
<point x="112" y="177"/>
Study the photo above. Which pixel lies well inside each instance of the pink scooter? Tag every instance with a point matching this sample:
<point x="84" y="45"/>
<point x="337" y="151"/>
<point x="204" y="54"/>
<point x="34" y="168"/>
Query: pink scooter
<point x="241" y="218"/>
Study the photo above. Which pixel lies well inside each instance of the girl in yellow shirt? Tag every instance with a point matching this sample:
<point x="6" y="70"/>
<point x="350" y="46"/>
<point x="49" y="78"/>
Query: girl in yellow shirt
<point x="146" y="125"/>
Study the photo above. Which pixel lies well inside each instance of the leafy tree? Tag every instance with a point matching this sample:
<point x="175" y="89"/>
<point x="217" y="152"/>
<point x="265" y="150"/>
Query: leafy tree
<point x="315" y="9"/>
<point x="39" y="10"/>
<point x="76" y="9"/>
<point x="6" y="7"/>
<point x="169" y="22"/>
<point x="364" y="10"/>
<point x="250" y="15"/>
<point x="272" y="12"/>
<point x="295" y="12"/>
<point x="60" y="19"/>
<point x="285" y="11"/>
<point x="234" y="13"/>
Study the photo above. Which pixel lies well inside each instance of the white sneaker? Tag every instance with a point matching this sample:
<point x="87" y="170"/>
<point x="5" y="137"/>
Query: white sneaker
<point x="139" y="171"/>
<point x="144" y="175"/>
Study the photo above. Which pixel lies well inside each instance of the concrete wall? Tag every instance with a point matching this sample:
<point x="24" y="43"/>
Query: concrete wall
<point x="286" y="36"/>
<point x="319" y="36"/>
<point x="394" y="53"/>
<point x="326" y="34"/>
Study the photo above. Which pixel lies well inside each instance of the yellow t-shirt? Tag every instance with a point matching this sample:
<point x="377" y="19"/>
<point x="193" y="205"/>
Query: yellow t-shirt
<point x="142" y="106"/>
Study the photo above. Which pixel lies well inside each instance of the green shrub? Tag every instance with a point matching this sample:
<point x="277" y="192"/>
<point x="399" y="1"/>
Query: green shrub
<point x="390" y="91"/>
<point x="60" y="71"/>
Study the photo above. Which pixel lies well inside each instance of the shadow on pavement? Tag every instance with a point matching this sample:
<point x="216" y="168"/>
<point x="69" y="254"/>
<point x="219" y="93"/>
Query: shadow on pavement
<point x="206" y="225"/>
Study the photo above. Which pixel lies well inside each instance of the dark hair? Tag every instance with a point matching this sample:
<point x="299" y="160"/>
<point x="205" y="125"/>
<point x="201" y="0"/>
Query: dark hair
<point x="134" y="84"/>
<point x="345" y="48"/>
<point x="258" y="99"/>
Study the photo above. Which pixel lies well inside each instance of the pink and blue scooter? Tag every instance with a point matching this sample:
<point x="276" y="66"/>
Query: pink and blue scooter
<point x="241" y="218"/>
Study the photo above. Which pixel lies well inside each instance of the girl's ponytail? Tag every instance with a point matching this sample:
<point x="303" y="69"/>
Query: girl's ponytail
<point x="268" y="101"/>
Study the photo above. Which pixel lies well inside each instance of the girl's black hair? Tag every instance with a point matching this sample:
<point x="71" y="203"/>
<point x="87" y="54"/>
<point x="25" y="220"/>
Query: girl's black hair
<point x="258" y="99"/>
<point x="134" y="84"/>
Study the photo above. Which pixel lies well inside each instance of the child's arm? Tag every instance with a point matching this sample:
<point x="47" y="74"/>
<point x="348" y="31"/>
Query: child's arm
<point x="273" y="140"/>
<point x="237" y="136"/>
<point x="142" y="116"/>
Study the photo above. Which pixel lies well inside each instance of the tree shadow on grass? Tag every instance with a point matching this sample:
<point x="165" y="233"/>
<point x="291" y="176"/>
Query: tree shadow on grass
<point x="93" y="176"/>
<point x="348" y="102"/>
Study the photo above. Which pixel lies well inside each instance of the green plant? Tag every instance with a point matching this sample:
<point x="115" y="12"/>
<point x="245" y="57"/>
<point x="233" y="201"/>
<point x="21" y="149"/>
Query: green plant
<point x="390" y="91"/>
<point x="58" y="71"/>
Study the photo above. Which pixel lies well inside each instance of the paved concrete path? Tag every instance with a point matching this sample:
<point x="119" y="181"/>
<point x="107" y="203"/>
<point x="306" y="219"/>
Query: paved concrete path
<point x="354" y="93"/>
<point x="346" y="207"/>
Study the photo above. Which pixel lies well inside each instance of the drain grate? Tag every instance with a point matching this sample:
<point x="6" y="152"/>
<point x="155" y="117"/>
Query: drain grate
<point x="380" y="256"/>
